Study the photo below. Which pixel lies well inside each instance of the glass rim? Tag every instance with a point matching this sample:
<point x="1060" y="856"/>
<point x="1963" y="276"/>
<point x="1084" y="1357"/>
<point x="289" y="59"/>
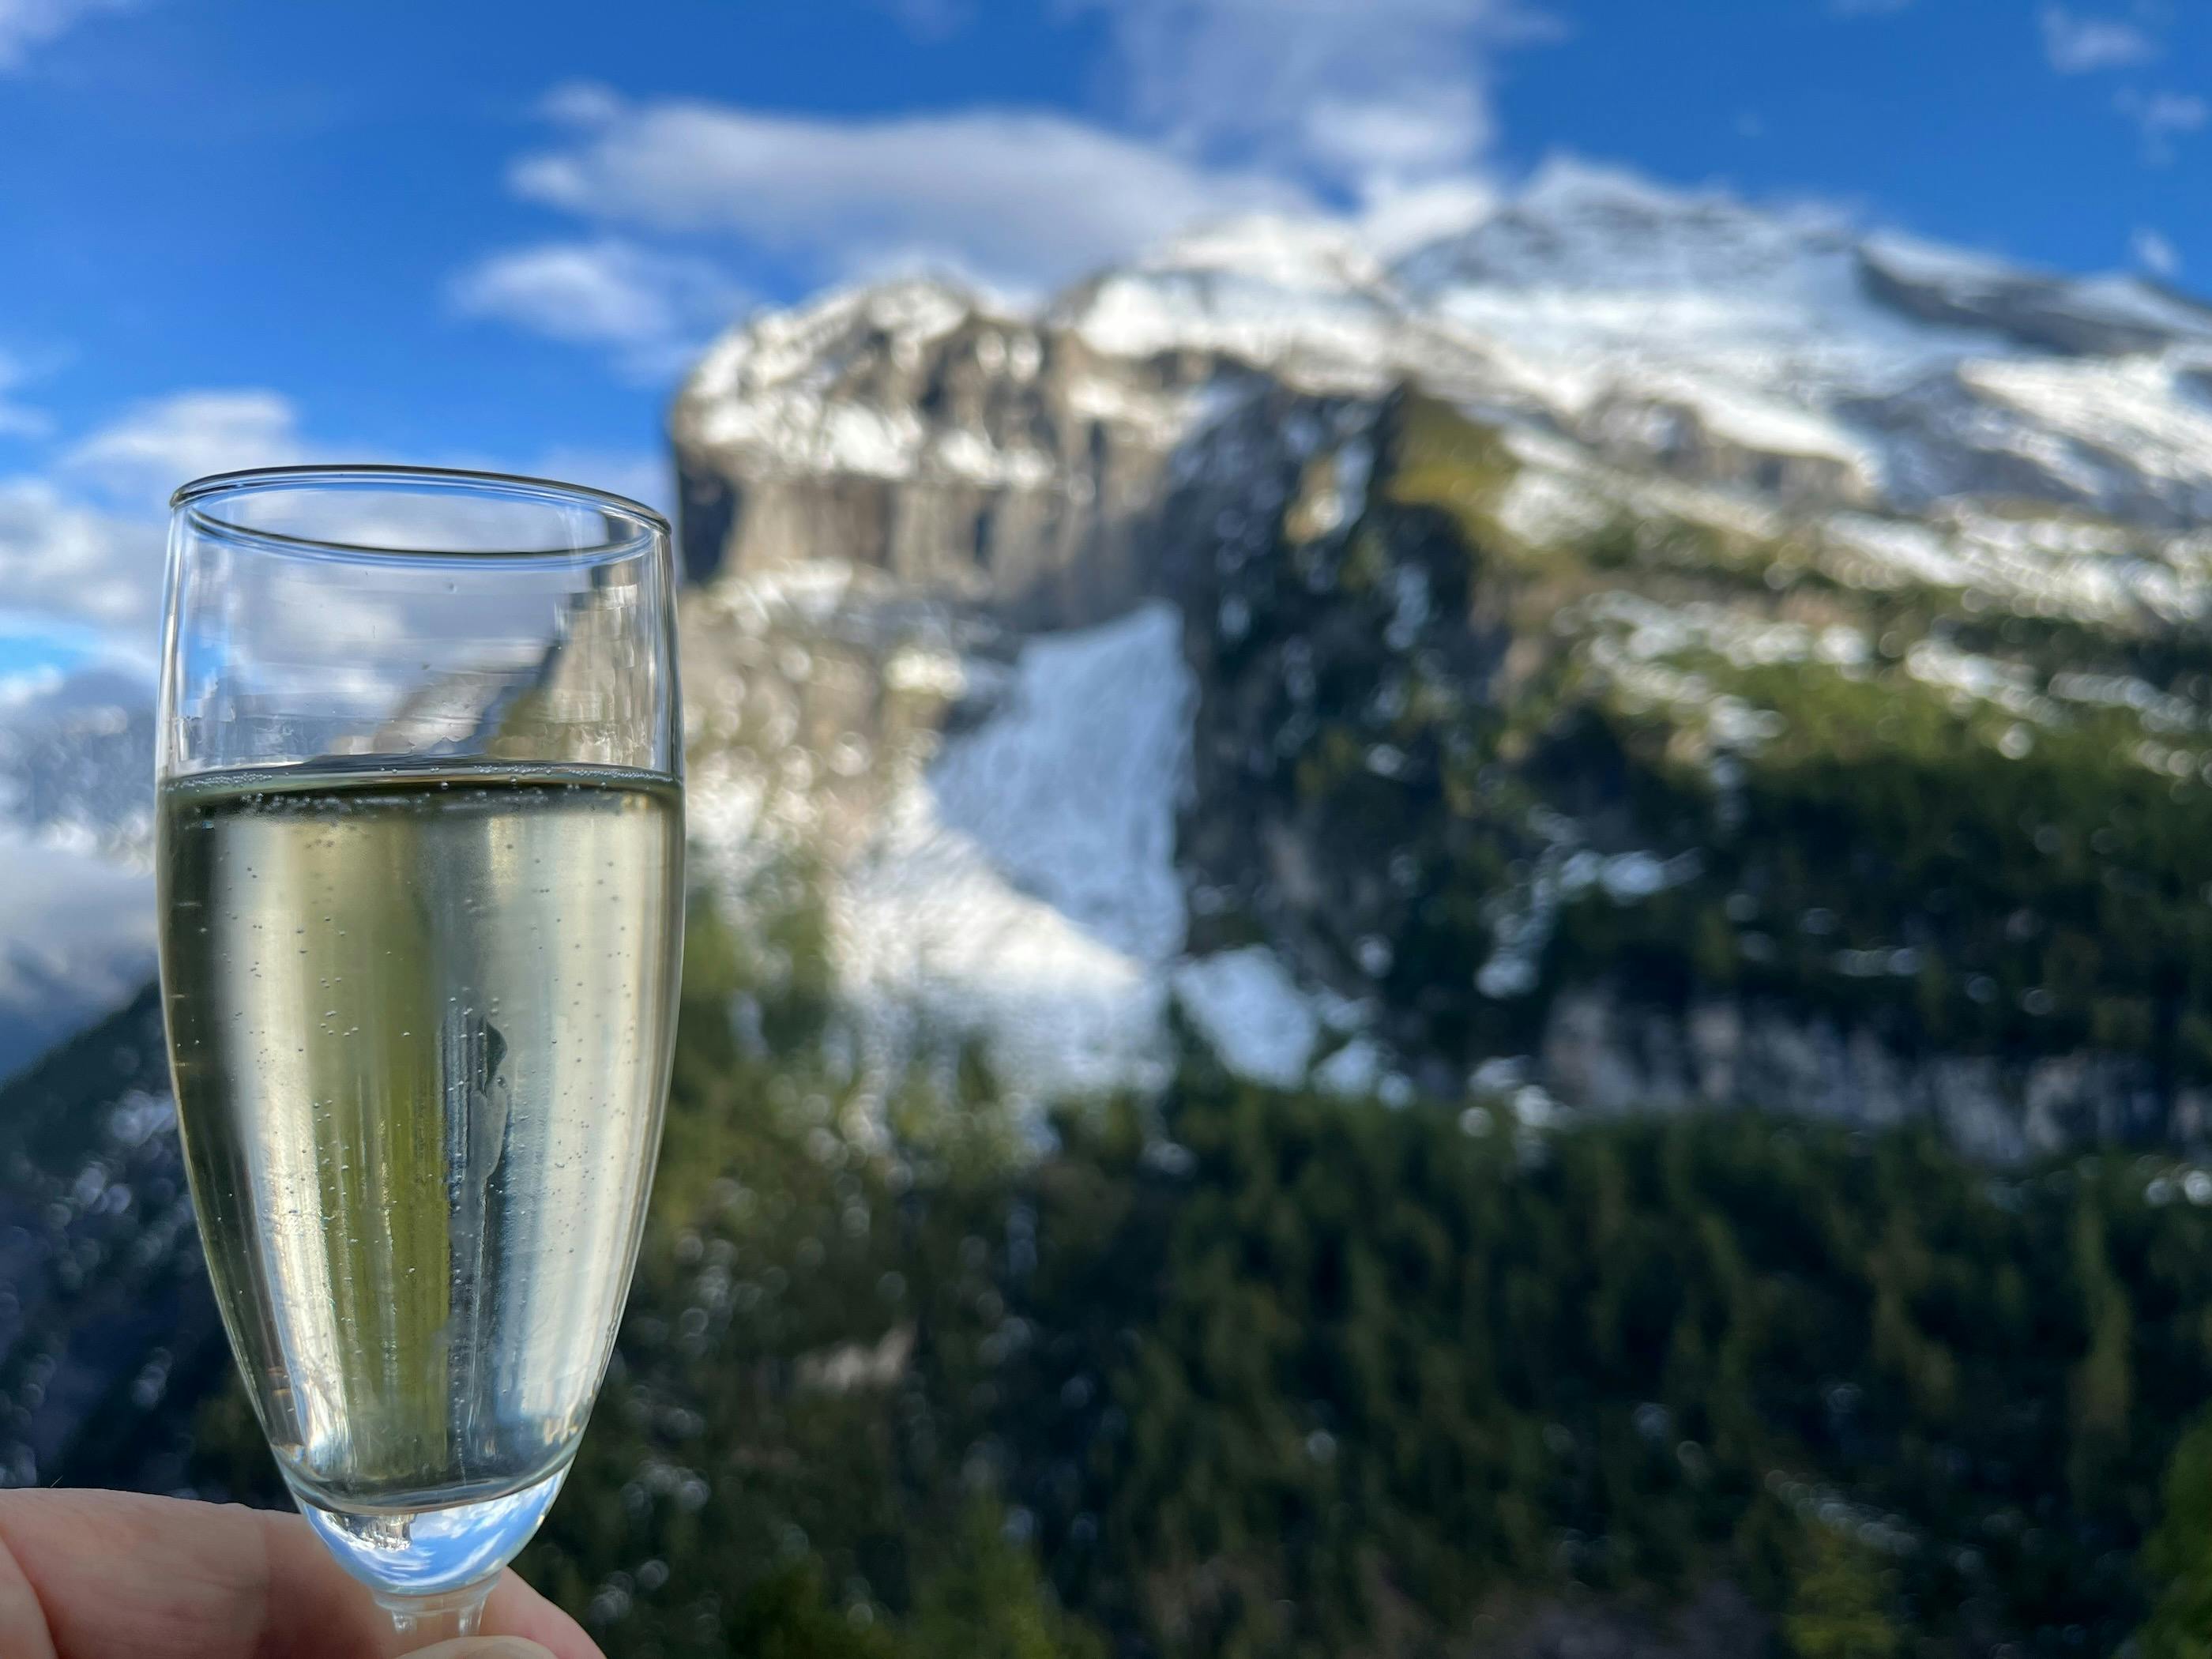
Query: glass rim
<point x="513" y="486"/>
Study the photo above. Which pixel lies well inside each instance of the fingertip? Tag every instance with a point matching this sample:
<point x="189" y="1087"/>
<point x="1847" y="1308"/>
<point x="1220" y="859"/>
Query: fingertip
<point x="488" y="1647"/>
<point x="516" y="1610"/>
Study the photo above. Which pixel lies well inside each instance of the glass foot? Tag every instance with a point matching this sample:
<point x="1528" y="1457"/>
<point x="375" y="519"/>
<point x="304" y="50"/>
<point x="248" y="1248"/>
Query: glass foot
<point x="409" y="1556"/>
<point x="423" y="1621"/>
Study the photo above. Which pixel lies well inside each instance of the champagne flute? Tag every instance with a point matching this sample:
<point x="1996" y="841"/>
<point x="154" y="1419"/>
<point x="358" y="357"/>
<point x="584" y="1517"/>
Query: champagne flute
<point x="421" y="849"/>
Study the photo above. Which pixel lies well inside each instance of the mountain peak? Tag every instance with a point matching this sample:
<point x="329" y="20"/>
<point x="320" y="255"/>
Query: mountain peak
<point x="1565" y="183"/>
<point x="1283" y="252"/>
<point x="2094" y="316"/>
<point x="1578" y="226"/>
<point x="776" y="346"/>
<point x="1685" y="329"/>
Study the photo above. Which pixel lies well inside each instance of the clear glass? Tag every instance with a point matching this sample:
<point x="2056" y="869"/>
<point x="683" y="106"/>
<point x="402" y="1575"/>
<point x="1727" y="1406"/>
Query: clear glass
<point x="420" y="852"/>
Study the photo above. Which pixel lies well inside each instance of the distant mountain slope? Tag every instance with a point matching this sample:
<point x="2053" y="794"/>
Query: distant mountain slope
<point x="76" y="799"/>
<point x="1592" y="618"/>
<point x="106" y="1306"/>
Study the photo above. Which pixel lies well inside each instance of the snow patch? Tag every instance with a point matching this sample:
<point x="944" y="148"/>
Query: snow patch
<point x="790" y="346"/>
<point x="1283" y="252"/>
<point x="971" y="455"/>
<point x="1540" y="507"/>
<point x="1350" y="340"/>
<point x="1024" y="889"/>
<point x="2126" y="409"/>
<point x="806" y="432"/>
<point x="1257" y="1020"/>
<point x="1917" y="261"/>
<point x="1356" y="1069"/>
<point x="1160" y="419"/>
<point x="1654" y="631"/>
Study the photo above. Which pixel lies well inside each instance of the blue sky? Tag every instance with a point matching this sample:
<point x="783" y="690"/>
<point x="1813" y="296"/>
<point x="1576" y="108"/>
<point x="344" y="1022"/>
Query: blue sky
<point x="240" y="230"/>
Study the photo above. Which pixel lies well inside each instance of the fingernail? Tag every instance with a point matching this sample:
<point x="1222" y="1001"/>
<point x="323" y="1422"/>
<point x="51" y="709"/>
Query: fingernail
<point x="487" y="1647"/>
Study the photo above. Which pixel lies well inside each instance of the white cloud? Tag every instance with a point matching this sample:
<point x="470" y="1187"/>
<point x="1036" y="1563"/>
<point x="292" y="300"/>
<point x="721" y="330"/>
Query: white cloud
<point x="1378" y="113"/>
<point x="28" y="23"/>
<point x="2154" y="252"/>
<point x="158" y="445"/>
<point x="81" y="553"/>
<point x="85" y="546"/>
<point x="1393" y="138"/>
<point x="1227" y="106"/>
<point x="2081" y="46"/>
<point x="1365" y="93"/>
<point x="65" y="558"/>
<point x="2161" y="117"/>
<point x="658" y="308"/>
<point x="1019" y="198"/>
<point x="641" y="475"/>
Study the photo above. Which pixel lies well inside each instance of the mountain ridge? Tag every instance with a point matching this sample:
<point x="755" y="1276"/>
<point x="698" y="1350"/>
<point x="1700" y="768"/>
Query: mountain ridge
<point x="1653" y="427"/>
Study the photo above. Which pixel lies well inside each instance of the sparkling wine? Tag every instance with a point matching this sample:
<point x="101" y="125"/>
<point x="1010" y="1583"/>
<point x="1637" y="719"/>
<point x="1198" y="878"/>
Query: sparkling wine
<point x="421" y="1023"/>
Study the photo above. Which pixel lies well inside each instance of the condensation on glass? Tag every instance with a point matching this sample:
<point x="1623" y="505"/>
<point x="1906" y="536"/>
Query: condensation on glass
<point x="420" y="860"/>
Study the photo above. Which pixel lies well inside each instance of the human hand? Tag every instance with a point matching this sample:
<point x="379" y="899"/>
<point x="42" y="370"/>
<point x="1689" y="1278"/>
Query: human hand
<point x="103" y="1575"/>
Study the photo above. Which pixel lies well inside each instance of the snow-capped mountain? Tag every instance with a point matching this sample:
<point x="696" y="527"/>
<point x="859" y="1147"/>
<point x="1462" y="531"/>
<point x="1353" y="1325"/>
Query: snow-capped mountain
<point x="1615" y="457"/>
<point x="76" y="798"/>
<point x="1056" y="642"/>
<point x="1694" y="334"/>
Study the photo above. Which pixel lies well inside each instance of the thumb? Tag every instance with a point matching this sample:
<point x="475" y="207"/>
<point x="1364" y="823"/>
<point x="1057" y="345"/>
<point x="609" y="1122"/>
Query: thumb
<point x="487" y="1647"/>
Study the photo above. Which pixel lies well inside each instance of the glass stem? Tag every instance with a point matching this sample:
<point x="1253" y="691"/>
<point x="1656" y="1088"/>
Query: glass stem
<point x="423" y="1621"/>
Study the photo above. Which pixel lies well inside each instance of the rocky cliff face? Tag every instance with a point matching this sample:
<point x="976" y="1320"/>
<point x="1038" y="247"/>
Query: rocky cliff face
<point x="914" y="430"/>
<point x="917" y="428"/>
<point x="1641" y="651"/>
<point x="1671" y="810"/>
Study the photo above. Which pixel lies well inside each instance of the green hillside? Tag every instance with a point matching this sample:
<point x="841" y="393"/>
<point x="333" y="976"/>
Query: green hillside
<point x="1277" y="1374"/>
<point x="1671" y="766"/>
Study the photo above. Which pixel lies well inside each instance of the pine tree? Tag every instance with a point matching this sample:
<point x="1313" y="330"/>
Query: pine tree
<point x="2177" y="1558"/>
<point x="1838" y="1607"/>
<point x="786" y="1616"/>
<point x="2102" y="1386"/>
<point x="988" y="1600"/>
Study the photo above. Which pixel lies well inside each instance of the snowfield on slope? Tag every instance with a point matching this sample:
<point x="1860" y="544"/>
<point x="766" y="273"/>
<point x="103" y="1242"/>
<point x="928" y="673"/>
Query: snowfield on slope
<point x="1024" y="890"/>
<point x="1245" y="1005"/>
